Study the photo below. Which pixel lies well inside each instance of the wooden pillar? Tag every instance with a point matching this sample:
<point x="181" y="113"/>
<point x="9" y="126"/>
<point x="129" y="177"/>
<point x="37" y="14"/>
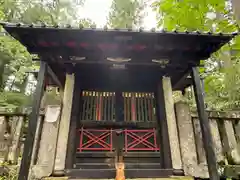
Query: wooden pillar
<point x="205" y="127"/>
<point x="163" y="127"/>
<point x="36" y="145"/>
<point x="38" y="134"/>
<point x="47" y="145"/>
<point x="171" y="123"/>
<point x="74" y="124"/>
<point x="64" y="125"/>
<point x="32" y="124"/>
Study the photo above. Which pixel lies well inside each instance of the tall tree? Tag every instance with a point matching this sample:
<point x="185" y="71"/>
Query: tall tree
<point x="15" y="61"/>
<point x="125" y="13"/>
<point x="221" y="71"/>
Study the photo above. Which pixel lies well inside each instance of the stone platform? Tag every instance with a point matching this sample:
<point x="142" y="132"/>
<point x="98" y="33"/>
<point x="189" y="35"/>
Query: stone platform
<point x="170" y="178"/>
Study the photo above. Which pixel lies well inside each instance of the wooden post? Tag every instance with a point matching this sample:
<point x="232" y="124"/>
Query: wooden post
<point x="188" y="142"/>
<point x="74" y="124"/>
<point x="13" y="150"/>
<point x="171" y="123"/>
<point x="64" y="125"/>
<point x="47" y="144"/>
<point x="163" y="127"/>
<point x="205" y="126"/>
<point x="32" y="124"/>
<point x="3" y="141"/>
<point x="36" y="144"/>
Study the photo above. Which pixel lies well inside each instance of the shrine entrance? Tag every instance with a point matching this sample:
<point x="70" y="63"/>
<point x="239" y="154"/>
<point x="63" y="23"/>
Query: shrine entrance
<point x="116" y="128"/>
<point x="117" y="97"/>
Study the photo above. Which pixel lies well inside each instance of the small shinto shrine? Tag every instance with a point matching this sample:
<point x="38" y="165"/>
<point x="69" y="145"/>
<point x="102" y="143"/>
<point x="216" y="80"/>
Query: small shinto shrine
<point x="117" y="106"/>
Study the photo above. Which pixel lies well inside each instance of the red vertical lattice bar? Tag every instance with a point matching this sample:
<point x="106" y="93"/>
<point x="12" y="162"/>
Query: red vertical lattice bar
<point x="100" y="107"/>
<point x="111" y="141"/>
<point x="126" y="141"/>
<point x="81" y="140"/>
<point x="133" y="102"/>
<point x="95" y="139"/>
<point x="133" y="139"/>
<point x="97" y="106"/>
<point x="155" y="139"/>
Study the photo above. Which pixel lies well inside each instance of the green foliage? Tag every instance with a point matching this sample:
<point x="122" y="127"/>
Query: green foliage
<point x="125" y="13"/>
<point x="15" y="61"/>
<point x="222" y="70"/>
<point x="9" y="172"/>
<point x="13" y="100"/>
<point x="52" y="97"/>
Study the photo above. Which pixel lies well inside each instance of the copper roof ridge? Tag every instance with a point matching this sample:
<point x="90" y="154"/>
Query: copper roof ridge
<point x="153" y="30"/>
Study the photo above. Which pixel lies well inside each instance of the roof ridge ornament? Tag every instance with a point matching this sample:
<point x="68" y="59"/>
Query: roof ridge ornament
<point x="141" y="29"/>
<point x="210" y="32"/>
<point x="197" y="32"/>
<point x="81" y="26"/>
<point x="93" y="27"/>
<point x="68" y="26"/>
<point x="43" y="25"/>
<point x="163" y="31"/>
<point x="129" y="28"/>
<point x="153" y="29"/>
<point x="19" y="24"/>
<point x="175" y="31"/>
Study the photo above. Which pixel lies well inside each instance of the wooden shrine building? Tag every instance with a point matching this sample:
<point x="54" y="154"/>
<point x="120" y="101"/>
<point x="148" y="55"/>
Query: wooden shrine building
<point x="117" y="98"/>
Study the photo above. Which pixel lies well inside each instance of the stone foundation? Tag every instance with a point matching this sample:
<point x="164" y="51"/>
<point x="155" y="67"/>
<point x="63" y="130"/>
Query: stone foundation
<point x="170" y="178"/>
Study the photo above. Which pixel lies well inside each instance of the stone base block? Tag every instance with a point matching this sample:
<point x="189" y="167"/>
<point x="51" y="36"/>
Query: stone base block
<point x="55" y="178"/>
<point x="170" y="178"/>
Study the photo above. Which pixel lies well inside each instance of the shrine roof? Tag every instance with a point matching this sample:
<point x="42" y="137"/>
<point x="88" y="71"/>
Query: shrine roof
<point x="122" y="43"/>
<point x="153" y="52"/>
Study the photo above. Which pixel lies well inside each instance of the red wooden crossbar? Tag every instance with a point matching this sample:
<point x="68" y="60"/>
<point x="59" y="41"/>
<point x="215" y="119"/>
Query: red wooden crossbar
<point x="93" y="139"/>
<point x="133" y="139"/>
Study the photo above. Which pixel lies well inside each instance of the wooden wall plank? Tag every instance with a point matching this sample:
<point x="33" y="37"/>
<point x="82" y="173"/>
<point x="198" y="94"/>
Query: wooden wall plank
<point x="199" y="141"/>
<point x="216" y="140"/>
<point x="187" y="143"/>
<point x="232" y="141"/>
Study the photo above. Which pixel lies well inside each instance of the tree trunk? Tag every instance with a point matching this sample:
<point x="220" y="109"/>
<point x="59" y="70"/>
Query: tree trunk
<point x="24" y="84"/>
<point x="2" y="65"/>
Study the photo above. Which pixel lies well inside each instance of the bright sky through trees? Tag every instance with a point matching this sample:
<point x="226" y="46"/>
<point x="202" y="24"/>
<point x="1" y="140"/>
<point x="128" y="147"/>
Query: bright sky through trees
<point x="98" y="10"/>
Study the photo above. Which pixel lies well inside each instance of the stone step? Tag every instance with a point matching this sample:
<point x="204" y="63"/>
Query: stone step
<point x="91" y="173"/>
<point x="94" y="166"/>
<point x="111" y="173"/>
<point x="170" y="178"/>
<point x="112" y="165"/>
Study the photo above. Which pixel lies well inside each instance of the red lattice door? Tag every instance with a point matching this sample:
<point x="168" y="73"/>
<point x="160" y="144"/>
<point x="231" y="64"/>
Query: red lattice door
<point x="95" y="140"/>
